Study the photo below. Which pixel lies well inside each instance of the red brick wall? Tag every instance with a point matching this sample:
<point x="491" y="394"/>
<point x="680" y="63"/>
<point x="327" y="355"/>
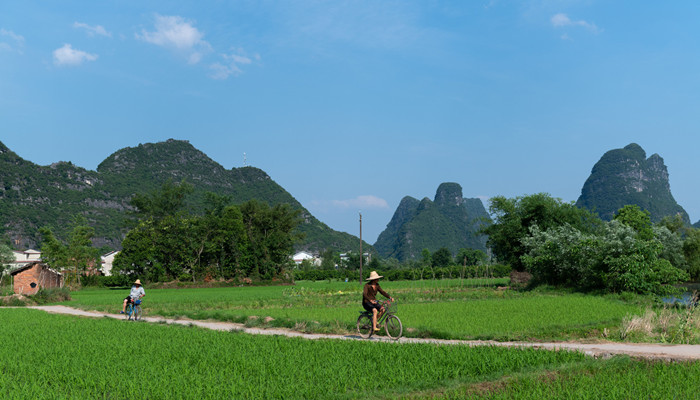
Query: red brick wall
<point x="37" y="274"/>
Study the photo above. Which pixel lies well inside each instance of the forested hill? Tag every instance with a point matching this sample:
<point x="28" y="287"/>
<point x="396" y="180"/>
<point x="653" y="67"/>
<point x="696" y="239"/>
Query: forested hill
<point x="33" y="196"/>
<point x="626" y="176"/>
<point x="450" y="221"/>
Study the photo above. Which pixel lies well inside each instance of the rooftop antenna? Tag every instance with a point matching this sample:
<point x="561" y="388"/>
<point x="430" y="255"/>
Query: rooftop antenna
<point x="245" y="160"/>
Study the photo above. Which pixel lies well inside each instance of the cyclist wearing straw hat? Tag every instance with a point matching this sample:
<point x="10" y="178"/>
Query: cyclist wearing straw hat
<point x="136" y="293"/>
<point x="369" y="297"/>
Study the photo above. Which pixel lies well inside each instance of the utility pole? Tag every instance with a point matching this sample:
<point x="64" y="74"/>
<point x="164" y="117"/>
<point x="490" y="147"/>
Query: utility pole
<point x="361" y="257"/>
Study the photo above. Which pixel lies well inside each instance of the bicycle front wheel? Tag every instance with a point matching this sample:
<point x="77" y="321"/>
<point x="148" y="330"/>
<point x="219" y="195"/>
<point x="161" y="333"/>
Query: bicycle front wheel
<point x="393" y="326"/>
<point x="364" y="326"/>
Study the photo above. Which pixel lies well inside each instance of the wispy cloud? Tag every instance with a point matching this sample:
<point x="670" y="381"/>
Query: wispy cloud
<point x="231" y="64"/>
<point x="68" y="56"/>
<point x="389" y="25"/>
<point x="178" y="34"/>
<point x="92" y="30"/>
<point x="17" y="41"/>
<point x="361" y="202"/>
<point x="562" y="20"/>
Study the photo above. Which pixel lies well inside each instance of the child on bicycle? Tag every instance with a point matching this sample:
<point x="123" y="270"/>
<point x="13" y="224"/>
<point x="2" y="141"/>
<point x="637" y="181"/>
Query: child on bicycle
<point x="369" y="298"/>
<point x="136" y="293"/>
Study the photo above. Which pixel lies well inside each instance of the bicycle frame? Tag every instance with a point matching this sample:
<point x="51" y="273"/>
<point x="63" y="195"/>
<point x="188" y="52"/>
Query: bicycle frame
<point x="389" y="319"/>
<point x="133" y="310"/>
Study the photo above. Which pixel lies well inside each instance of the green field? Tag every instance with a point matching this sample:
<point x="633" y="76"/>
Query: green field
<point x="448" y="309"/>
<point x="59" y="356"/>
<point x="51" y="356"/>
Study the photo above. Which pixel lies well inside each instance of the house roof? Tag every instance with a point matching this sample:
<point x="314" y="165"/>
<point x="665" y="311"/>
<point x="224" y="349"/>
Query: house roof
<point x="30" y="265"/>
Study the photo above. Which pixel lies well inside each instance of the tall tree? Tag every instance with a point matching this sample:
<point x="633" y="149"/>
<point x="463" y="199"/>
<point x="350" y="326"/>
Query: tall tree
<point x="442" y="257"/>
<point x="166" y="201"/>
<point x="637" y="219"/>
<point x="514" y="217"/>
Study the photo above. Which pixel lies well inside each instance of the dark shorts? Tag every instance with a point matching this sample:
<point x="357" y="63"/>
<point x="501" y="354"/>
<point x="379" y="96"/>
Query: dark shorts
<point x="128" y="299"/>
<point x="370" y="306"/>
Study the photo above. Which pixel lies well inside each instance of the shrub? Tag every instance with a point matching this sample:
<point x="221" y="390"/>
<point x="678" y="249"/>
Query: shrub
<point x="51" y="295"/>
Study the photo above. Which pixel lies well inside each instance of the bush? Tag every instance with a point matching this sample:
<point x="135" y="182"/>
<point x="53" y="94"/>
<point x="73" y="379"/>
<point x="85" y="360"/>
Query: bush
<point x="51" y="295"/>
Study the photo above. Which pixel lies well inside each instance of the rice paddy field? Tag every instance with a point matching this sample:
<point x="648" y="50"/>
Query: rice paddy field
<point x="47" y="356"/>
<point x="447" y="309"/>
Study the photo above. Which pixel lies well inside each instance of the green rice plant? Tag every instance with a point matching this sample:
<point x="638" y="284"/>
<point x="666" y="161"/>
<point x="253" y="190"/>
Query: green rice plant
<point x="618" y="378"/>
<point x="70" y="357"/>
<point x="447" y="311"/>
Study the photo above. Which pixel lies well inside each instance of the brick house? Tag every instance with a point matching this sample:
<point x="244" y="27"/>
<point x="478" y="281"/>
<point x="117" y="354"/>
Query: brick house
<point x="31" y="277"/>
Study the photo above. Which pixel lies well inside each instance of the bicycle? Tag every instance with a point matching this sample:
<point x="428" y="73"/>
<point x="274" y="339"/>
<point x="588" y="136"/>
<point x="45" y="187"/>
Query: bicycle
<point x="392" y="323"/>
<point x="133" y="311"/>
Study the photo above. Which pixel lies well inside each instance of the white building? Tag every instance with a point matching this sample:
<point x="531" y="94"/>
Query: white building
<point x="107" y="261"/>
<point x="302" y="255"/>
<point x="23" y="258"/>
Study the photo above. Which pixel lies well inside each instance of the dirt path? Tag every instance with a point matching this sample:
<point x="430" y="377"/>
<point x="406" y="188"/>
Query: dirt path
<point x="646" y="350"/>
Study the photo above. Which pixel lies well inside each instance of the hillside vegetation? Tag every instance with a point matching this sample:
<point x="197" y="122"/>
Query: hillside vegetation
<point x="33" y="196"/>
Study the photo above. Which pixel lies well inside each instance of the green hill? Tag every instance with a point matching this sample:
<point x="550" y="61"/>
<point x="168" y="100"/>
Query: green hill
<point x="625" y="176"/>
<point x="33" y="196"/>
<point x="449" y="221"/>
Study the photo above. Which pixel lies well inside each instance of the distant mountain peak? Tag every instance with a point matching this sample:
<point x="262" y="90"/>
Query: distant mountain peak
<point x="449" y="193"/>
<point x="448" y="221"/>
<point x="625" y="176"/>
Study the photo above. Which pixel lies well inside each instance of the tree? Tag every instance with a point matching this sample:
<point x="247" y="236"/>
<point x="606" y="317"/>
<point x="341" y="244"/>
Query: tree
<point x="77" y="256"/>
<point x="470" y="257"/>
<point x="80" y="252"/>
<point x="166" y="201"/>
<point x="691" y="251"/>
<point x="614" y="259"/>
<point x="514" y="217"/>
<point x="53" y="252"/>
<point x="6" y="258"/>
<point x="271" y="237"/>
<point x="329" y="259"/>
<point x="425" y="256"/>
<point x="637" y="219"/>
<point x="442" y="257"/>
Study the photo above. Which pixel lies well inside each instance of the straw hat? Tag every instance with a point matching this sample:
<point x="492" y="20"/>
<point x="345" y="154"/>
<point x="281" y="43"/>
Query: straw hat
<point x="374" y="275"/>
<point x="138" y="282"/>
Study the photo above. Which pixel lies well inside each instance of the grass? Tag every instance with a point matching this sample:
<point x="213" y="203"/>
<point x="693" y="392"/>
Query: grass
<point x="442" y="309"/>
<point x="72" y="357"/>
<point x="618" y="378"/>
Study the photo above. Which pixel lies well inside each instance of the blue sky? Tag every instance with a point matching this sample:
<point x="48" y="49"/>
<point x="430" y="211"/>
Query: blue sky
<point x="352" y="105"/>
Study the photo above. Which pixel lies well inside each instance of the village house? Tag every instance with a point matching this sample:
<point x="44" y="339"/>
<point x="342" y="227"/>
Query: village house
<point x="302" y="255"/>
<point x="107" y="261"/>
<point x="22" y="258"/>
<point x="33" y="276"/>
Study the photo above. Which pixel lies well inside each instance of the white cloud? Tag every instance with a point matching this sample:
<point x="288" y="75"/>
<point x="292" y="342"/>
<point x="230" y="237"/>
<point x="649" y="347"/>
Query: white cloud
<point x="360" y="202"/>
<point x="68" y="56"/>
<point x="231" y="65"/>
<point x="92" y="30"/>
<point x="562" y="20"/>
<point x="17" y="41"/>
<point x="178" y="34"/>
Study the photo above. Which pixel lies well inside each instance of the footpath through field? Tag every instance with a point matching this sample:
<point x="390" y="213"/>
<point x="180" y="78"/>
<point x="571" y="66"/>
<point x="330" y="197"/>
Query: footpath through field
<point x="645" y="350"/>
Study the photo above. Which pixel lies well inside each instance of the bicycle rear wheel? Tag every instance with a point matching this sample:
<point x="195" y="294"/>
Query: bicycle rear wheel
<point x="393" y="327"/>
<point x="137" y="313"/>
<point x="129" y="312"/>
<point x="364" y="326"/>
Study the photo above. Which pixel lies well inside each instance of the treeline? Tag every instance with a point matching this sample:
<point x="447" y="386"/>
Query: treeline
<point x="227" y="241"/>
<point x="563" y="245"/>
